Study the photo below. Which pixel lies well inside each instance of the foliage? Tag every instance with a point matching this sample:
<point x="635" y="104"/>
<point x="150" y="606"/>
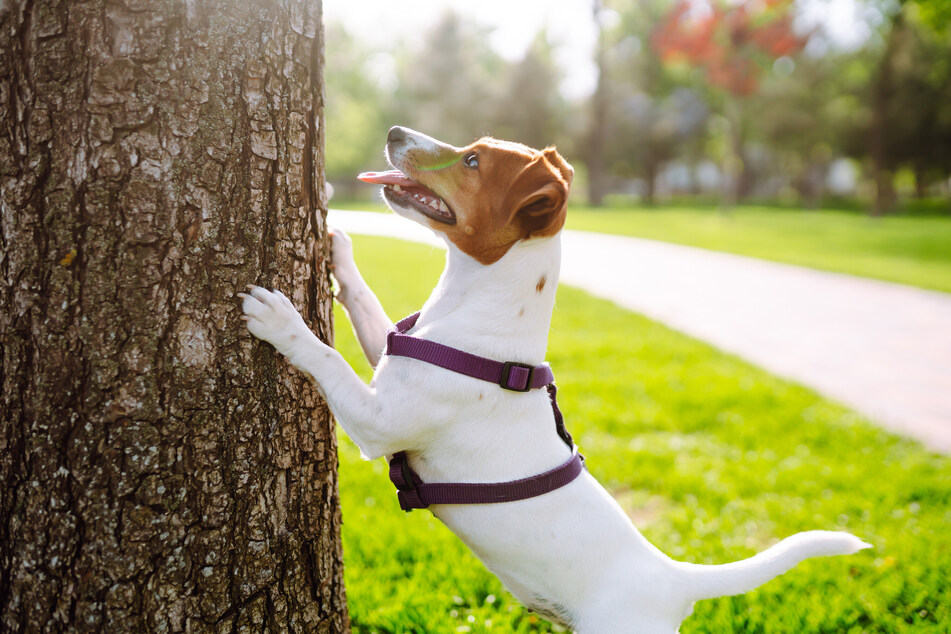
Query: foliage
<point x="736" y="88"/>
<point x="652" y="116"/>
<point x="448" y="87"/>
<point x="919" y="122"/>
<point x="714" y="458"/>
<point x="357" y="114"/>
<point x="530" y="109"/>
<point x="732" y="43"/>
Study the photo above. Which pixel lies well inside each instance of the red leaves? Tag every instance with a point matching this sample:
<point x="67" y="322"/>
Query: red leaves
<point x="728" y="42"/>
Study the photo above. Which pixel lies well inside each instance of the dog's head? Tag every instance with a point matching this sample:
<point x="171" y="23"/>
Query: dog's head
<point x="484" y="197"/>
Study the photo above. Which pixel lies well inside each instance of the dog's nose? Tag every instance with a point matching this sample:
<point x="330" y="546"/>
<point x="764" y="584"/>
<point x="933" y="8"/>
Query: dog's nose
<point x="397" y="134"/>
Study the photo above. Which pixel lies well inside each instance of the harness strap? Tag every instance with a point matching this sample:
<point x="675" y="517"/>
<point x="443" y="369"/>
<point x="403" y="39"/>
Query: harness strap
<point x="411" y="491"/>
<point x="559" y="419"/>
<point x="518" y="377"/>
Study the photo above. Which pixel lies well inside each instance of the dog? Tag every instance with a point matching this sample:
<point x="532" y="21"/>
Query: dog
<point x="570" y="554"/>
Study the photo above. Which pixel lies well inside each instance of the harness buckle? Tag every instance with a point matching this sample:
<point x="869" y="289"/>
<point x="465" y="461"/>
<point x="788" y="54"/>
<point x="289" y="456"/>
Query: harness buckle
<point x="401" y="475"/>
<point x="520" y="369"/>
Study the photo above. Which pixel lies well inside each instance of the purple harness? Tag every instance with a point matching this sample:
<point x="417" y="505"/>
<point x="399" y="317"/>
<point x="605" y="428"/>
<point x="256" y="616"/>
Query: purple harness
<point x="412" y="492"/>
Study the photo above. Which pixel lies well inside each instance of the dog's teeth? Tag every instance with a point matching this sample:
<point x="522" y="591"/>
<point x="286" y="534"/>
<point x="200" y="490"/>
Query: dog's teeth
<point x="434" y="204"/>
<point x="417" y="197"/>
<point x="397" y="188"/>
<point x="443" y="206"/>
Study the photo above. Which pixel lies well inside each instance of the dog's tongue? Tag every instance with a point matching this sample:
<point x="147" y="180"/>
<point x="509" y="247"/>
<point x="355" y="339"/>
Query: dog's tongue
<point x="389" y="177"/>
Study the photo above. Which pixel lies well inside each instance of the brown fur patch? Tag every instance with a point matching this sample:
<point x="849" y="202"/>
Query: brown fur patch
<point x="541" y="284"/>
<point x="516" y="193"/>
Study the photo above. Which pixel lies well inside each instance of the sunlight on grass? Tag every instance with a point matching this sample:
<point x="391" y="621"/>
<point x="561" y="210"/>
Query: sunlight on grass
<point x="908" y="250"/>
<point x="714" y="458"/>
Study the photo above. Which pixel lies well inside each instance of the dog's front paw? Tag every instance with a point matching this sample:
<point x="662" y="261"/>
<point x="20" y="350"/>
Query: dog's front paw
<point x="341" y="248"/>
<point x="342" y="265"/>
<point x="271" y="316"/>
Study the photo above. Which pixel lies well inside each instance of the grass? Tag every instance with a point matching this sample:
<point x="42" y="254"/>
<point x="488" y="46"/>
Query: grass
<point x="913" y="250"/>
<point x="908" y="250"/>
<point x="714" y="459"/>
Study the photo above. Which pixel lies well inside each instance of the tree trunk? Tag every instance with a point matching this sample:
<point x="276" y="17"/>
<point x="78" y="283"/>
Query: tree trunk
<point x="734" y="165"/>
<point x="160" y="469"/>
<point x="652" y="168"/>
<point x="598" y="132"/>
<point x="879" y="151"/>
<point x="921" y="181"/>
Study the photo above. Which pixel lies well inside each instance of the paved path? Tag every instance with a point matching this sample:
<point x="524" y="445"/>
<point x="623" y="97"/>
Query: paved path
<point x="883" y="349"/>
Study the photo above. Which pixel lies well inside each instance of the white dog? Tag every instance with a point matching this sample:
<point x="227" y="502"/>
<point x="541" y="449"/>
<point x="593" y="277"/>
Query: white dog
<point x="569" y="553"/>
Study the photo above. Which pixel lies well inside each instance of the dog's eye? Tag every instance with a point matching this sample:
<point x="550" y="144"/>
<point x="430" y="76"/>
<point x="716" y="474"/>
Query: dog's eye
<point x="471" y="160"/>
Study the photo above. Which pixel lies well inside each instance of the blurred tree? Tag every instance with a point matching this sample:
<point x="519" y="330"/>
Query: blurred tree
<point x="909" y="96"/>
<point x="359" y="109"/>
<point x="652" y="116"/>
<point x="798" y="116"/>
<point x="918" y="134"/>
<point x="160" y="470"/>
<point x="598" y="119"/>
<point x="449" y="82"/>
<point x="732" y="44"/>
<point x="936" y="14"/>
<point x="530" y="108"/>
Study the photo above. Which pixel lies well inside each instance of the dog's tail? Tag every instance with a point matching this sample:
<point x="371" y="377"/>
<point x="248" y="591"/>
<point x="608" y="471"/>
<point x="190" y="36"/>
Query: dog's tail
<point x="707" y="582"/>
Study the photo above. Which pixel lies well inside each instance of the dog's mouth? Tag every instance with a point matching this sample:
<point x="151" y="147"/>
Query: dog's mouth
<point x="401" y="190"/>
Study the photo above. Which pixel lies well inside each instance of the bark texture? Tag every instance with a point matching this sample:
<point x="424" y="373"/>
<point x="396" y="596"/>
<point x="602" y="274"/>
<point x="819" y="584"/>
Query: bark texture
<point x="160" y="470"/>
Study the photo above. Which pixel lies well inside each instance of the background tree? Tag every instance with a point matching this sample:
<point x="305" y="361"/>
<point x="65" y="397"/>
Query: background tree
<point x="797" y="119"/>
<point x="731" y="44"/>
<point x="653" y="117"/>
<point x="682" y="87"/>
<point x="908" y="98"/>
<point x="449" y="84"/>
<point x="530" y="108"/>
<point x="598" y="131"/>
<point x="159" y="469"/>
<point x="359" y="109"/>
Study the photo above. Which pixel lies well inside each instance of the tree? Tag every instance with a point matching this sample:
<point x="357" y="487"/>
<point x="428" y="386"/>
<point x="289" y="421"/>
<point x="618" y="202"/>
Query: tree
<point x="449" y="82"/>
<point x="653" y="118"/>
<point x="910" y="117"/>
<point x="597" y="136"/>
<point x="731" y="44"/>
<point x="801" y="116"/>
<point x="531" y="110"/>
<point x="160" y="470"/>
<point x="359" y="111"/>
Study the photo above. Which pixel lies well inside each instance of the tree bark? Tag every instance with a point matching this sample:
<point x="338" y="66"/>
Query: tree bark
<point x="160" y="469"/>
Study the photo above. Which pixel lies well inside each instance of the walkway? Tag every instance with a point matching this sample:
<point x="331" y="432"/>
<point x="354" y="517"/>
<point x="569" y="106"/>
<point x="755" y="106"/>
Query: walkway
<point x="883" y="349"/>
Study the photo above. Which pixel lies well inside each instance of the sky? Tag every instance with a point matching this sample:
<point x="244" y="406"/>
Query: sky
<point x="514" y="23"/>
<point x="569" y="24"/>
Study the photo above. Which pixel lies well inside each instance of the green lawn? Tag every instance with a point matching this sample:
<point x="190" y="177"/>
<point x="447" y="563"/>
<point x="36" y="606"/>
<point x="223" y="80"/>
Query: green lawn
<point x="908" y="250"/>
<point x="913" y="250"/>
<point x="714" y="459"/>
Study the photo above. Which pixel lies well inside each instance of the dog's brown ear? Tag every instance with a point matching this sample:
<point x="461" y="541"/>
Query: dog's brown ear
<point x="553" y="157"/>
<point x="538" y="199"/>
